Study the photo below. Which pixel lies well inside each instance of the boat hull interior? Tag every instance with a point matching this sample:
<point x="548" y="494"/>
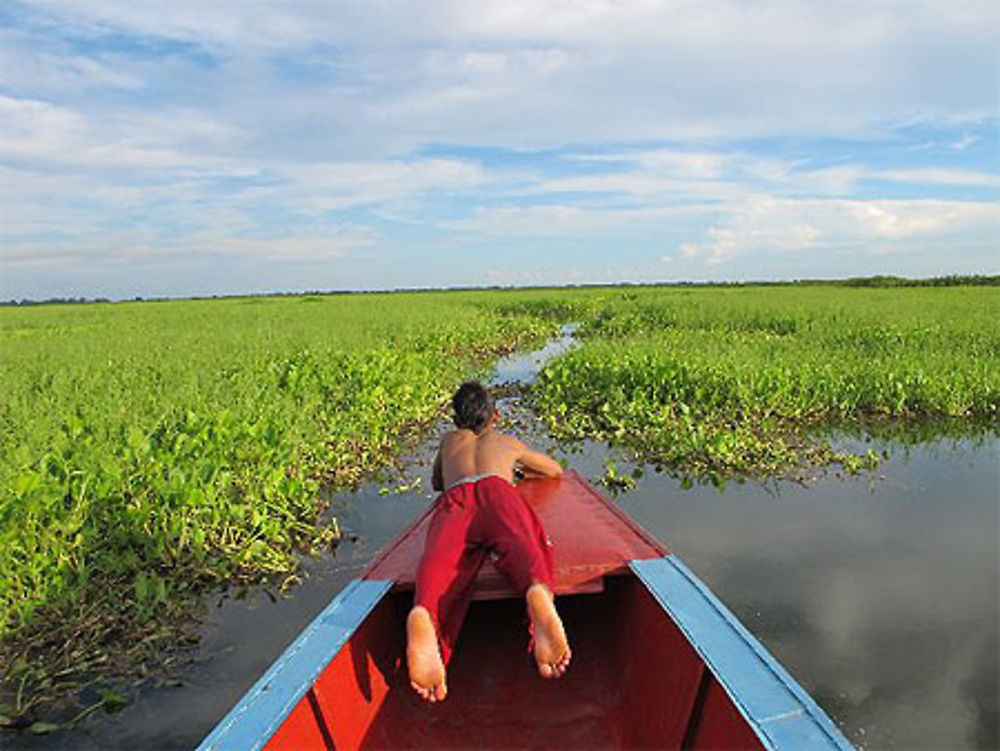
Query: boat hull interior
<point x="635" y="682"/>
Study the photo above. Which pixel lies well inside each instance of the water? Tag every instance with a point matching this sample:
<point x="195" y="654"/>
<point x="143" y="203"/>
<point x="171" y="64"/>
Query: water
<point x="878" y="593"/>
<point x="880" y="597"/>
<point x="522" y="367"/>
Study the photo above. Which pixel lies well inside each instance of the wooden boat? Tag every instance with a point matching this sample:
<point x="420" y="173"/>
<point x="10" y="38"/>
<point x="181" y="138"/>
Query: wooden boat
<point x="658" y="661"/>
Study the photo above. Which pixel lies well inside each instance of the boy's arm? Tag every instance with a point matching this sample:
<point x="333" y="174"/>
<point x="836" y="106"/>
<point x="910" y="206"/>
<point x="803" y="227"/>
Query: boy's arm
<point x="437" y="474"/>
<point x="537" y="464"/>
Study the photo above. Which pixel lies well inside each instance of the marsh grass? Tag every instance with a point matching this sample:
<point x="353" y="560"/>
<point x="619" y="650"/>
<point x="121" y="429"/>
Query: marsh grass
<point x="151" y="451"/>
<point x="734" y="382"/>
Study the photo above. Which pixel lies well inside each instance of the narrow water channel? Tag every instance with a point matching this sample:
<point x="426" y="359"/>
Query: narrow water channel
<point x="878" y="593"/>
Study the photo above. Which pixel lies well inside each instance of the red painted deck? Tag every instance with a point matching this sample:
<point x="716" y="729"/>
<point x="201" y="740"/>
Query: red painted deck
<point x="590" y="538"/>
<point x="635" y="682"/>
<point x="644" y="675"/>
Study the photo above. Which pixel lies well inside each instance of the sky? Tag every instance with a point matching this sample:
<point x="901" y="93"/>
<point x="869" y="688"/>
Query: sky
<point x="200" y="147"/>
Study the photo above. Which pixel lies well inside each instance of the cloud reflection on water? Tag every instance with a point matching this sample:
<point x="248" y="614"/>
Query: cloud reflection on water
<point x="882" y="599"/>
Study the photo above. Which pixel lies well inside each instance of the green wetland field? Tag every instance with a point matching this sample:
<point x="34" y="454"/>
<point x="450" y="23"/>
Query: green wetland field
<point x="153" y="452"/>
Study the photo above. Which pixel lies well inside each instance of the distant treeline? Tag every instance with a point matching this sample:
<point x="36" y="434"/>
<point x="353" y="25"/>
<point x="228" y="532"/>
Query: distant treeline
<point x="952" y="280"/>
<point x="58" y="301"/>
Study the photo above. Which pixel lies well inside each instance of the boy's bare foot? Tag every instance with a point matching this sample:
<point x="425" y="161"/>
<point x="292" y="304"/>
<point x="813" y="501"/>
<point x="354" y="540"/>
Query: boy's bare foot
<point x="552" y="652"/>
<point x="423" y="658"/>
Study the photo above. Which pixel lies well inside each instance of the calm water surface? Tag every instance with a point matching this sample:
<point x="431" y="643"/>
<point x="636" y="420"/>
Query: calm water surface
<point x="881" y="598"/>
<point x="878" y="593"/>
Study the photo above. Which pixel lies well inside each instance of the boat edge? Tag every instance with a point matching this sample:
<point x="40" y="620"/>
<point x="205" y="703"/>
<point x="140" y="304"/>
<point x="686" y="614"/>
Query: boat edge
<point x="260" y="711"/>
<point x="671" y="582"/>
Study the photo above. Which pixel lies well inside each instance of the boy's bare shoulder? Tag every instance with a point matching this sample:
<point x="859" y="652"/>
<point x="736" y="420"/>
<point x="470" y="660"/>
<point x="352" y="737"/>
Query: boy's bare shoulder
<point x="510" y="441"/>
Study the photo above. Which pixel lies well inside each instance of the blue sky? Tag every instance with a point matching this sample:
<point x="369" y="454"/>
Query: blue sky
<point x="200" y="147"/>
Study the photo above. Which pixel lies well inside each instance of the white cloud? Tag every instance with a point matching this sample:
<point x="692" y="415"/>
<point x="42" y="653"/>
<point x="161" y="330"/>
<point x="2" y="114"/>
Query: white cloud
<point x="562" y="220"/>
<point x="829" y="181"/>
<point x="671" y="175"/>
<point x="145" y="246"/>
<point x="768" y="225"/>
<point x="71" y="203"/>
<point x="339" y="185"/>
<point x="549" y="72"/>
<point x="332" y="243"/>
<point x="965" y="141"/>
<point x="33" y="131"/>
<point x="556" y="275"/>
<point x="146" y="129"/>
<point x="637" y="184"/>
<point x="24" y="67"/>
<point x="939" y="176"/>
<point x="692" y="165"/>
<point x="704" y="175"/>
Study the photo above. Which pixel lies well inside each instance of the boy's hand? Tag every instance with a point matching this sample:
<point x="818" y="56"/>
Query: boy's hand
<point x="527" y="473"/>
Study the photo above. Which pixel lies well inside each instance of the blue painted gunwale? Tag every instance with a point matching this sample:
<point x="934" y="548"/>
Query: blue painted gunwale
<point x="780" y="712"/>
<point x="251" y="723"/>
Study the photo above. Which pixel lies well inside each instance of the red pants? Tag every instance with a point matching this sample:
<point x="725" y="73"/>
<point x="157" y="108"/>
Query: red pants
<point x="473" y="520"/>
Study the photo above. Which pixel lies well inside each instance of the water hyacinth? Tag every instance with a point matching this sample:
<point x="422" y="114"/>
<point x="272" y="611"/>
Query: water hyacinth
<point x="718" y="382"/>
<point x="147" y="450"/>
<point x="150" y="450"/>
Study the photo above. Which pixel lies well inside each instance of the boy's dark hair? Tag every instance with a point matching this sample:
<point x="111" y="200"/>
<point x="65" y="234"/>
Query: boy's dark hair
<point x="473" y="405"/>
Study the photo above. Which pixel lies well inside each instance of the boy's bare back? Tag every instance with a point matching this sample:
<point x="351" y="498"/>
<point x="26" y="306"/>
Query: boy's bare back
<point x="464" y="453"/>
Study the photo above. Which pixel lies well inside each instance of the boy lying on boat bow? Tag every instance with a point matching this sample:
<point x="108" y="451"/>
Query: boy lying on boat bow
<point x="481" y="513"/>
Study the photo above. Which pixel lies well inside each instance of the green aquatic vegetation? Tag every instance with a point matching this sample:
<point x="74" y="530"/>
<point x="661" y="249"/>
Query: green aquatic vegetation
<point x="150" y="450"/>
<point x="617" y="481"/>
<point x="728" y="382"/>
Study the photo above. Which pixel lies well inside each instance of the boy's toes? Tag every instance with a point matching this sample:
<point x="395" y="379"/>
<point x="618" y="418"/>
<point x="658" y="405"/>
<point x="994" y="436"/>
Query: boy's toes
<point x="420" y="690"/>
<point x="550" y="647"/>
